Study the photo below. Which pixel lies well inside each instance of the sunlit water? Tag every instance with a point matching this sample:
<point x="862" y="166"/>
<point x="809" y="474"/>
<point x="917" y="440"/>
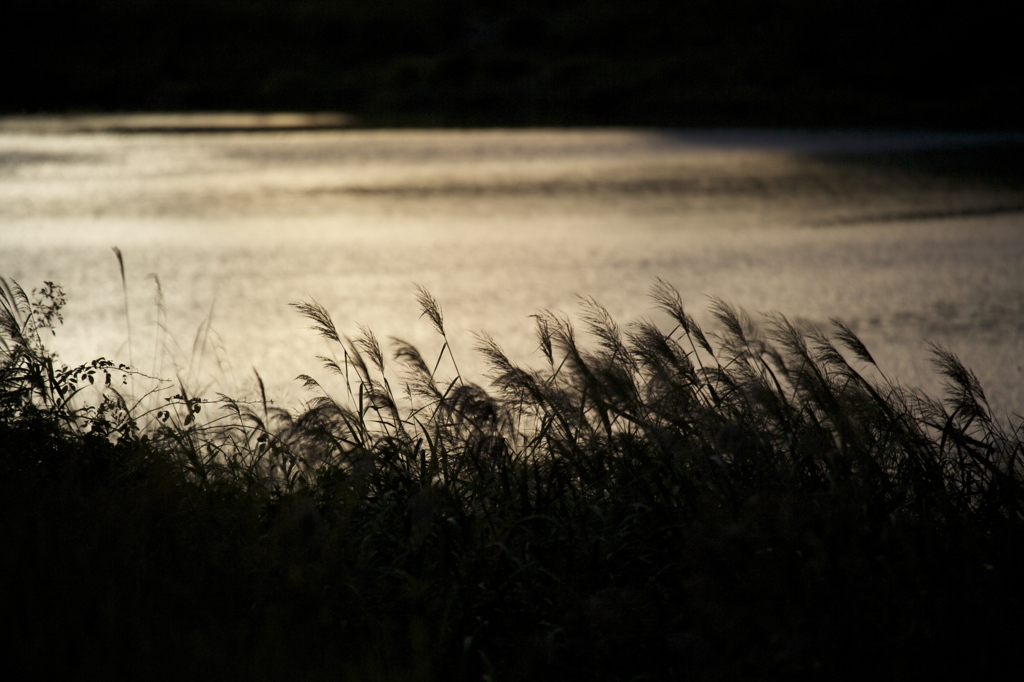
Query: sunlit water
<point x="501" y="224"/>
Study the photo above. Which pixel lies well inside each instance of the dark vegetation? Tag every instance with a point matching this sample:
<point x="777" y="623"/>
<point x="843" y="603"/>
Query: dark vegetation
<point x="759" y="503"/>
<point x="454" y="62"/>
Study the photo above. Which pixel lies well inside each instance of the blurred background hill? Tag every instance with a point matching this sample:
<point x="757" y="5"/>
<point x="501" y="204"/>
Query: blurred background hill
<point x="948" y="64"/>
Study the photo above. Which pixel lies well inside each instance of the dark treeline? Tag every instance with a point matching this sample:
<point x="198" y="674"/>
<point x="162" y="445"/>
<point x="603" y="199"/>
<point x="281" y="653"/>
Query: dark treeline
<point x="451" y="62"/>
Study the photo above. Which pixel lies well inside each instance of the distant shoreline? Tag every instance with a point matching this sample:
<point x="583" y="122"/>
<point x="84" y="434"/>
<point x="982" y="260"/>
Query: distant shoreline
<point x="175" y="122"/>
<point x="799" y="139"/>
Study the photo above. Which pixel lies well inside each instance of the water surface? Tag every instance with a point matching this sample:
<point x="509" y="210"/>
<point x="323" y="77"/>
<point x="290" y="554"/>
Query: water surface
<point x="908" y="237"/>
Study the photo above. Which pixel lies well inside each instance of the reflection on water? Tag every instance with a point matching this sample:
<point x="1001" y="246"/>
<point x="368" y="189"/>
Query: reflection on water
<point x="902" y="245"/>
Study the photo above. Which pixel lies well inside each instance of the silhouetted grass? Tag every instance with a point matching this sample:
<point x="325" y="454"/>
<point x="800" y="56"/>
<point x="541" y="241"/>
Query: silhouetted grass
<point x="759" y="502"/>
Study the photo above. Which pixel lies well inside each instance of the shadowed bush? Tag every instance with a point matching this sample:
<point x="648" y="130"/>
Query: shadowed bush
<point x="759" y="502"/>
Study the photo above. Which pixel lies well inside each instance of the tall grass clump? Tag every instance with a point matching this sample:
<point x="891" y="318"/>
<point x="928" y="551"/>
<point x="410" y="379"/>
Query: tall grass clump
<point x="654" y="501"/>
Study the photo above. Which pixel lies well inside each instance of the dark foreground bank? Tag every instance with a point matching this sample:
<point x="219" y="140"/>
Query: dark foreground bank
<point x="760" y="503"/>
